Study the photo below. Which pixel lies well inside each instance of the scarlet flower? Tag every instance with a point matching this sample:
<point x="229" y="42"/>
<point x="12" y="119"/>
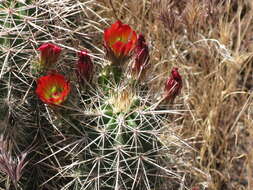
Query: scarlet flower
<point x="53" y="88"/>
<point x="119" y="41"/>
<point x="84" y="67"/>
<point x="49" y="54"/>
<point x="141" y="56"/>
<point x="173" y="85"/>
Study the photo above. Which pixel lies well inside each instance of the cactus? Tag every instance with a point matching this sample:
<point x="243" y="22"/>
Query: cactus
<point x="123" y="149"/>
<point x="121" y="126"/>
<point x="25" y="123"/>
<point x="121" y="146"/>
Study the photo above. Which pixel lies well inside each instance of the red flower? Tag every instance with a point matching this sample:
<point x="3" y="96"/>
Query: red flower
<point x="119" y="41"/>
<point x="173" y="85"/>
<point x="141" y="56"/>
<point x="53" y="88"/>
<point x="84" y="67"/>
<point x="49" y="54"/>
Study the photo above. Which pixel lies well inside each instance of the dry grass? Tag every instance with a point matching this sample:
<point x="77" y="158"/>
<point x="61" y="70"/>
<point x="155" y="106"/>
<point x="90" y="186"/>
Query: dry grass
<point x="210" y="41"/>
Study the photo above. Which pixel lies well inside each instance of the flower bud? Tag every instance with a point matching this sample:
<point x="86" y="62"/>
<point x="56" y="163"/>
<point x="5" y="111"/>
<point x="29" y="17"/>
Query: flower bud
<point x="141" y="57"/>
<point x="49" y="54"/>
<point x="173" y="86"/>
<point x="84" y="67"/>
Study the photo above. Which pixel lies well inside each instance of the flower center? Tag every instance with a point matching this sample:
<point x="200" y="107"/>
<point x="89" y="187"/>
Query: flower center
<point x="55" y="92"/>
<point x="121" y="39"/>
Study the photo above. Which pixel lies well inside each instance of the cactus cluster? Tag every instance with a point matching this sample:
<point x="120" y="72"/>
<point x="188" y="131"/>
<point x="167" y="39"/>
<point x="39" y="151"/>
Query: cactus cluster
<point x="121" y="149"/>
<point x="81" y="125"/>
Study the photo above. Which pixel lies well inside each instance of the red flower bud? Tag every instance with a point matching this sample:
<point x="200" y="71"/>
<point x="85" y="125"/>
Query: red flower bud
<point x="53" y="88"/>
<point x="49" y="54"/>
<point x="84" y="67"/>
<point x="141" y="57"/>
<point x="119" y="41"/>
<point x="173" y="85"/>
